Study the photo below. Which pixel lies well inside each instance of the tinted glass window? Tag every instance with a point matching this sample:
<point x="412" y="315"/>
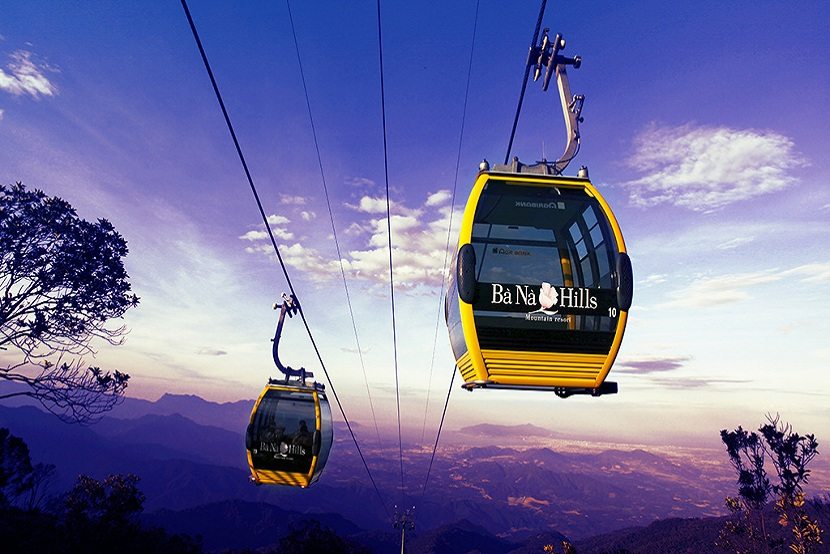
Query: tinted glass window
<point x="590" y="218"/>
<point x="596" y="236"/>
<point x="283" y="431"/>
<point x="603" y="263"/>
<point x="497" y="263"/>
<point x="544" y="256"/>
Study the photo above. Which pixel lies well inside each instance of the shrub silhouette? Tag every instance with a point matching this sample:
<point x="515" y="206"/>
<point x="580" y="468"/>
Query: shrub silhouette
<point x="751" y="529"/>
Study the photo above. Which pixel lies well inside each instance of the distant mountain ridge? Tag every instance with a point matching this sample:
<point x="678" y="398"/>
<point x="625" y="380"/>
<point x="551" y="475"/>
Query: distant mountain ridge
<point x="513" y="492"/>
<point x="204" y="443"/>
<point x="231" y="416"/>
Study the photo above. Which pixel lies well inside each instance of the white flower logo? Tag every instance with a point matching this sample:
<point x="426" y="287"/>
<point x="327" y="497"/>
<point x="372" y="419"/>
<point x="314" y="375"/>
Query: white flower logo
<point x="548" y="297"/>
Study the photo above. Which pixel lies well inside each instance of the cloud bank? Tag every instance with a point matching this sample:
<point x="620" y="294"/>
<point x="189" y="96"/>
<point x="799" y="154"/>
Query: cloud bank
<point x="705" y="168"/>
<point x="419" y="241"/>
<point x="26" y="77"/>
<point x="736" y="287"/>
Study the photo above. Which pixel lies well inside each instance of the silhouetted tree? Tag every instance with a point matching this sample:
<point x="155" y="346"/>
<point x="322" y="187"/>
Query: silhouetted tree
<point x="95" y="516"/>
<point x="748" y="531"/>
<point x="102" y="516"/>
<point x="62" y="279"/>
<point x="116" y="500"/>
<point x="21" y="483"/>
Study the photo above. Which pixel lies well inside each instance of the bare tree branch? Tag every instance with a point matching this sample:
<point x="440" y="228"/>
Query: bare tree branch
<point x="63" y="281"/>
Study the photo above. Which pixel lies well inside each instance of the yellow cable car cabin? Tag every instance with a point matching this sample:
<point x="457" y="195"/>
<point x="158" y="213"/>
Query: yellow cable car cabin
<point x="540" y="285"/>
<point x="289" y="436"/>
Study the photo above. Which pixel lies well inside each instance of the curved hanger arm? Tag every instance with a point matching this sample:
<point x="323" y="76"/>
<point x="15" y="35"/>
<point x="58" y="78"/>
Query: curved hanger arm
<point x="572" y="112"/>
<point x="289" y="306"/>
<point x="548" y="56"/>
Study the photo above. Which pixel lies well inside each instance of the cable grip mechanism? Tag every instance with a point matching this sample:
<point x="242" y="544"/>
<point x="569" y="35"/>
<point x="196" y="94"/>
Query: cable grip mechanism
<point x="548" y="55"/>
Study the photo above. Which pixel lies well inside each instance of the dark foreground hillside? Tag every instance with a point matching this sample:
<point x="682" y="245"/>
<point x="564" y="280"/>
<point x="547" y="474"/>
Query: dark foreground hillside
<point x="679" y="536"/>
<point x="682" y="536"/>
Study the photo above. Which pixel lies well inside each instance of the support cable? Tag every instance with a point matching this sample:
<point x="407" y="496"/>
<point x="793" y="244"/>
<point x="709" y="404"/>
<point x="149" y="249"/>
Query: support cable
<point x="331" y="218"/>
<point x="389" y="236"/>
<point x="524" y="82"/>
<point x="449" y="226"/>
<point x="274" y="243"/>
<point x="438" y="435"/>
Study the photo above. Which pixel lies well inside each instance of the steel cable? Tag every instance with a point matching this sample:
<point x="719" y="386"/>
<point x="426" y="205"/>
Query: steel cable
<point x="389" y="236"/>
<point x="449" y="226"/>
<point x="524" y="82"/>
<point x="274" y="243"/>
<point x="331" y="218"/>
<point x="438" y="435"/>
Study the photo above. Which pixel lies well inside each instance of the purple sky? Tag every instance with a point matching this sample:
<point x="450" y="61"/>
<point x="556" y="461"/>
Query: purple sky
<point x="705" y="127"/>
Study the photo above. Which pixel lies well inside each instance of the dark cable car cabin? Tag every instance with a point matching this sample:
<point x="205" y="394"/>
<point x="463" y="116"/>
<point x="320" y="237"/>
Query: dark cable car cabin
<point x="540" y="286"/>
<point x="290" y="431"/>
<point x="289" y="435"/>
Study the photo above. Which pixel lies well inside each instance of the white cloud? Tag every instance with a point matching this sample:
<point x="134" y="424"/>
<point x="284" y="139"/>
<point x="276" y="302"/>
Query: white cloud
<point x="310" y="261"/>
<point x="261" y="234"/>
<point x="355" y="229"/>
<point x="254" y="235"/>
<point x="360" y="182"/>
<point x="706" y="168"/>
<point x="654" y="279"/>
<point x="731" y="288"/>
<point x="293" y="200"/>
<point x="355" y="350"/>
<point x="308" y="216"/>
<point x="1" y="114"/>
<point x="731" y="244"/>
<point x="687" y="244"/>
<point x="377" y="205"/>
<point x="370" y="205"/>
<point x="438" y="198"/>
<point x="418" y="247"/>
<point x="283" y="234"/>
<point x="26" y="77"/>
<point x="811" y="273"/>
<point x="400" y="224"/>
<point x="208" y="351"/>
<point x="716" y="291"/>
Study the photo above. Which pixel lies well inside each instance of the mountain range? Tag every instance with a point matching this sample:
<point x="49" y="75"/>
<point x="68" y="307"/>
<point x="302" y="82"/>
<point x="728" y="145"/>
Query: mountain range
<point x="189" y="454"/>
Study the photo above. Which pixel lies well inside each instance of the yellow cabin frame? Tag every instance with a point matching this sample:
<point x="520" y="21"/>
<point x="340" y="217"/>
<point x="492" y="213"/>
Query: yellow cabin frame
<point x="526" y="369"/>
